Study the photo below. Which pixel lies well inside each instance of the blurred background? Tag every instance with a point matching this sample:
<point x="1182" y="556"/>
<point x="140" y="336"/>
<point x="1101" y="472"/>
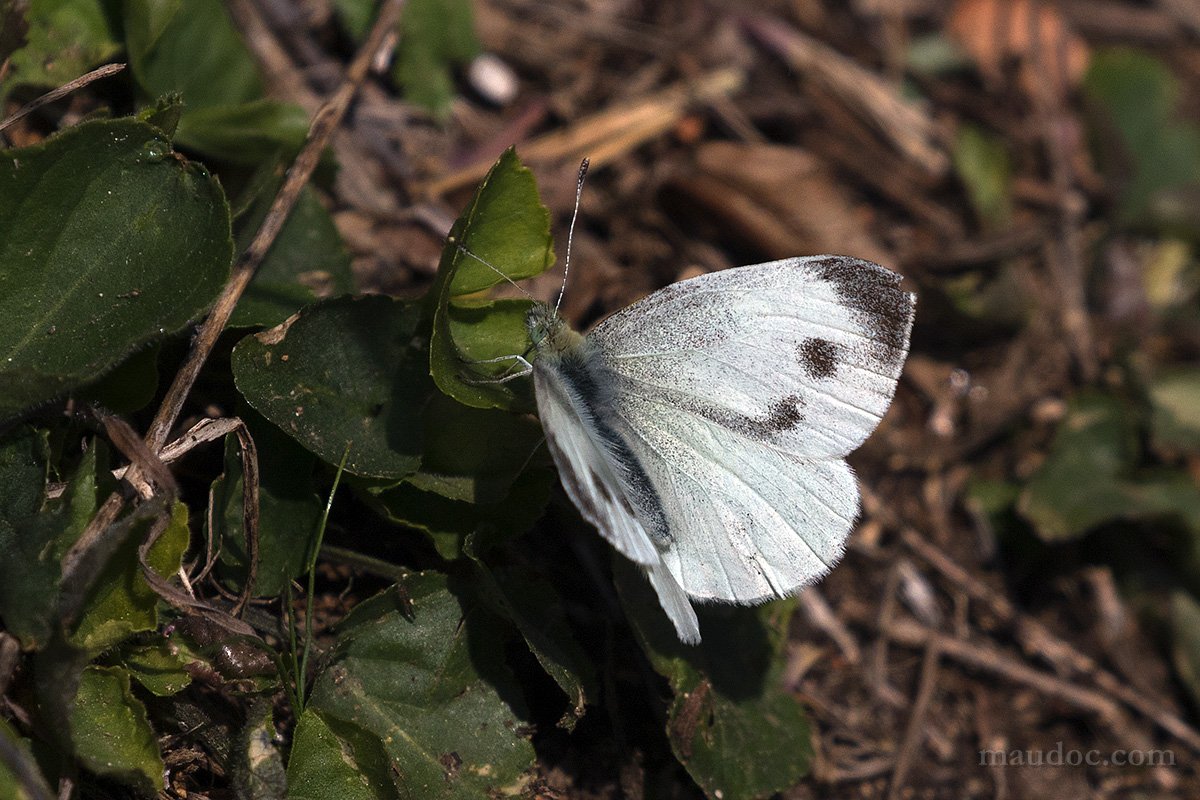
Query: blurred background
<point x="1026" y="574"/>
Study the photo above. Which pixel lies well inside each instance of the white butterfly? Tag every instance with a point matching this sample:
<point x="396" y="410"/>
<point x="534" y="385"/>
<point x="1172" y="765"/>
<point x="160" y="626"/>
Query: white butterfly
<point x="703" y="429"/>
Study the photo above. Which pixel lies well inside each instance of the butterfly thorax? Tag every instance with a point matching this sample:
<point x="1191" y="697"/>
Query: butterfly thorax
<point x="550" y="334"/>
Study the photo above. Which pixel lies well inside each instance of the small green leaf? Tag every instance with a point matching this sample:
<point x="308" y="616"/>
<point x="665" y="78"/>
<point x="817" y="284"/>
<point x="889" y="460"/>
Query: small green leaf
<point x="1091" y="476"/>
<point x="113" y="736"/>
<point x="121" y="603"/>
<point x="344" y="371"/>
<point x="434" y="689"/>
<point x="1138" y="96"/>
<point x="107" y="242"/>
<point x="981" y="160"/>
<point x="1175" y="423"/>
<point x="307" y="262"/>
<point x="159" y="667"/>
<point x="191" y="48"/>
<point x="731" y="723"/>
<point x="435" y="37"/>
<point x="164" y="114"/>
<point x="65" y="39"/>
<point x="506" y="225"/>
<point x="349" y="764"/>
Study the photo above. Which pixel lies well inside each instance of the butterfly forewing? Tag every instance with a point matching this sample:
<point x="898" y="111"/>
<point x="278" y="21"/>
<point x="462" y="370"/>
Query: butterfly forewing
<point x="740" y="392"/>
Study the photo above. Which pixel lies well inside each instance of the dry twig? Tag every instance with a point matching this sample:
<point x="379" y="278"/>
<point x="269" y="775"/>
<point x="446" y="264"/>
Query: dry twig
<point x="62" y="91"/>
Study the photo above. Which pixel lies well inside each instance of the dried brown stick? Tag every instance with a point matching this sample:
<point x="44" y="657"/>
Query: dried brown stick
<point x="607" y="134"/>
<point x="62" y="91"/>
<point x="1038" y="640"/>
<point x="323" y="126"/>
<point x="988" y="658"/>
<point x="914" y="731"/>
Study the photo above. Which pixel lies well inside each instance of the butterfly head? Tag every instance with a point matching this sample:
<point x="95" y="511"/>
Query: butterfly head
<point x="549" y="333"/>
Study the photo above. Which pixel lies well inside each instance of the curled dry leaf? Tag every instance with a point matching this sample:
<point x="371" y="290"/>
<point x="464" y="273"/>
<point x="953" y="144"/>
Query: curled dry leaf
<point x="1049" y="53"/>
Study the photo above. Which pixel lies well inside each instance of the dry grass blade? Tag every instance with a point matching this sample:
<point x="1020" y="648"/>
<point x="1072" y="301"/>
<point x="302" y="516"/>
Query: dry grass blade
<point x="62" y="91"/>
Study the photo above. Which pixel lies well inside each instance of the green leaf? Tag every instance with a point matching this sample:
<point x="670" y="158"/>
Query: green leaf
<point x="449" y="522"/>
<point x="506" y="225"/>
<point x="34" y="539"/>
<point x="159" y="667"/>
<point x="348" y="370"/>
<point x="435" y="37"/>
<point x="433" y="688"/>
<point x="191" y="48"/>
<point x="247" y="133"/>
<point x="1138" y="96"/>
<point x="474" y="454"/>
<point x="1091" y="476"/>
<point x="121" y="603"/>
<point x="107" y="242"/>
<point x="349" y="765"/>
<point x="1175" y="397"/>
<point x="113" y="736"/>
<point x="981" y="160"/>
<point x="288" y="512"/>
<point x="65" y="39"/>
<point x="537" y="610"/>
<point x="731" y="723"/>
<point x="307" y="262"/>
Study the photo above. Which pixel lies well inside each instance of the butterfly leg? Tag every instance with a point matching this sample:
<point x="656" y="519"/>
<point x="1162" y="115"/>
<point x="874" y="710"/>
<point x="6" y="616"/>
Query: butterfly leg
<point x="518" y="362"/>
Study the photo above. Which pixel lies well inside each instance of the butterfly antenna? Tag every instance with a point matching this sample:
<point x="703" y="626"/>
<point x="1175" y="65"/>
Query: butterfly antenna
<point x="583" y="168"/>
<point x="492" y="267"/>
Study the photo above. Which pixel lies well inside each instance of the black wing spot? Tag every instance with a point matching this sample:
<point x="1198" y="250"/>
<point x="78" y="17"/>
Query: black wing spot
<point x="871" y="290"/>
<point x="819" y="357"/>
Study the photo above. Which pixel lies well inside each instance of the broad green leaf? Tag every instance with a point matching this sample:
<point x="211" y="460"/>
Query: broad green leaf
<point x="121" y="603"/>
<point x="27" y="773"/>
<point x="434" y="689"/>
<point x="1137" y="95"/>
<point x="506" y="225"/>
<point x="65" y="39"/>
<point x="981" y="160"/>
<point x="349" y="764"/>
<point x="307" y="262"/>
<point x="1091" y="476"/>
<point x="537" y="610"/>
<point x="159" y="667"/>
<point x="107" y="242"/>
<point x="113" y="736"/>
<point x="449" y="522"/>
<point x="436" y="36"/>
<point x="1175" y="397"/>
<point x="731" y="723"/>
<point x="34" y="539"/>
<point x="344" y="371"/>
<point x="191" y="48"/>
<point x="288" y="511"/>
